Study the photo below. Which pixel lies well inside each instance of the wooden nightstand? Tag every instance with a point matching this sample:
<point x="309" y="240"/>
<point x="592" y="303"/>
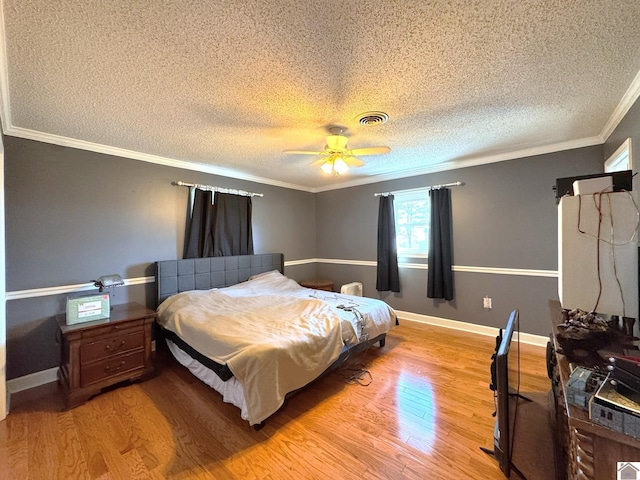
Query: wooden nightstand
<point x="98" y="354"/>
<point x="318" y="284"/>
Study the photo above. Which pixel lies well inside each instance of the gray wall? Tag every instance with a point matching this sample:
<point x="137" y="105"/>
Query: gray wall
<point x="73" y="215"/>
<point x="504" y="216"/>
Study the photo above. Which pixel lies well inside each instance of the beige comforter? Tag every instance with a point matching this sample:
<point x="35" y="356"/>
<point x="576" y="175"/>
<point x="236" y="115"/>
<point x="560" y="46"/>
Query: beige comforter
<point x="274" y="335"/>
<point x="272" y="344"/>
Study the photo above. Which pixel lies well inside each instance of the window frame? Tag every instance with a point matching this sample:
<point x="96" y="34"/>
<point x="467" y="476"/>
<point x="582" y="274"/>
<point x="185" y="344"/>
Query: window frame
<point x="620" y="160"/>
<point x="421" y="194"/>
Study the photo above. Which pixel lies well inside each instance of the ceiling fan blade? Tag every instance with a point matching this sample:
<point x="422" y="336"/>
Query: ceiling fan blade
<point x="353" y="161"/>
<point x="303" y="152"/>
<point x="318" y="162"/>
<point x="369" y="151"/>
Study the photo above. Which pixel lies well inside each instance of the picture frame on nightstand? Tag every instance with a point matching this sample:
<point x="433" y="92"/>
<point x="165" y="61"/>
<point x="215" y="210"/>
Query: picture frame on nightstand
<point x="88" y="308"/>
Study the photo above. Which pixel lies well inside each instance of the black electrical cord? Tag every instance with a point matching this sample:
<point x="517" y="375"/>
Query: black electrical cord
<point x="358" y="375"/>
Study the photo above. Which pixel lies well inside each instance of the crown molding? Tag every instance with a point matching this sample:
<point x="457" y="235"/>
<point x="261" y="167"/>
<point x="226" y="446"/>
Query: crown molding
<point x="5" y="104"/>
<point x="224" y="172"/>
<point x="144" y="157"/>
<point x="626" y="102"/>
<point x="628" y="99"/>
<point x="468" y="162"/>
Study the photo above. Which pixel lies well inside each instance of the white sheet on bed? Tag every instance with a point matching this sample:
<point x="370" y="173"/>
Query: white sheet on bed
<point x="231" y="390"/>
<point x="274" y="335"/>
<point x="378" y="316"/>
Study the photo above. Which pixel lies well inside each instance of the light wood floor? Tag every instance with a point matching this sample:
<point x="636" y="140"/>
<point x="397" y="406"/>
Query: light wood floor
<point x="425" y="415"/>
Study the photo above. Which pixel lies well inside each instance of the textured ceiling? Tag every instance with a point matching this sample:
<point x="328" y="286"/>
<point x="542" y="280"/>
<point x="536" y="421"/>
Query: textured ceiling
<point x="229" y="85"/>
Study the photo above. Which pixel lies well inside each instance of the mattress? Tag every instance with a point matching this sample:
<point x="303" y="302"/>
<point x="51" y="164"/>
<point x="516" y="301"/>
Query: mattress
<point x="272" y="334"/>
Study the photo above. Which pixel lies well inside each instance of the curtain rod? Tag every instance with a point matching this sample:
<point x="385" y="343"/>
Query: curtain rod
<point x="180" y="183"/>
<point x="432" y="187"/>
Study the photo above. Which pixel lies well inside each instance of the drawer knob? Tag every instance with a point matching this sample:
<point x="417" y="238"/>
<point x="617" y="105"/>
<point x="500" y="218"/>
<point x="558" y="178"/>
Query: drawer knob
<point x="115" y="368"/>
<point x="111" y="348"/>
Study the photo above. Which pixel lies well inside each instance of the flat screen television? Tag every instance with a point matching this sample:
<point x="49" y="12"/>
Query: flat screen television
<point x="505" y="382"/>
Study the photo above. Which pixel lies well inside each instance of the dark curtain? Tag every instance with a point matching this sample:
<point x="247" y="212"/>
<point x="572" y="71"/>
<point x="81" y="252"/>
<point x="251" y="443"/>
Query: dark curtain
<point x="440" y="276"/>
<point x="232" y="233"/>
<point x="199" y="239"/>
<point x="388" y="278"/>
<point x="220" y="227"/>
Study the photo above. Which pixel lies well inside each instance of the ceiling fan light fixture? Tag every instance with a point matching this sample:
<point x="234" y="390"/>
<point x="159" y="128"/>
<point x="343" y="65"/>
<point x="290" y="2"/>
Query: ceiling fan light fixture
<point x="340" y="166"/>
<point x="335" y="166"/>
<point x="337" y="159"/>
<point x="327" y="167"/>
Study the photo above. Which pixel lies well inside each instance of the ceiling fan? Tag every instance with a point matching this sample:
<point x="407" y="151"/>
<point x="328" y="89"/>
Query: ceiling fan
<point x="336" y="158"/>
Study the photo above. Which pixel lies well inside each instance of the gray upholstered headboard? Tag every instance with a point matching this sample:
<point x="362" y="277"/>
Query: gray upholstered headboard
<point x="175" y="276"/>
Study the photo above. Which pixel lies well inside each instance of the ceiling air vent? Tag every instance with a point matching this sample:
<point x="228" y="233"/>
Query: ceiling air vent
<point x="372" y="118"/>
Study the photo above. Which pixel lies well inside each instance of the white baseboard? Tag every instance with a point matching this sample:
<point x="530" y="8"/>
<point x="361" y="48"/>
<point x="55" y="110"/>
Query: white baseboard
<point x="528" y="338"/>
<point x="32" y="380"/>
<point x="43" y="377"/>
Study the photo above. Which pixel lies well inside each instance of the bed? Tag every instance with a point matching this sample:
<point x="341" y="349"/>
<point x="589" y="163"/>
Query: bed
<point x="254" y="335"/>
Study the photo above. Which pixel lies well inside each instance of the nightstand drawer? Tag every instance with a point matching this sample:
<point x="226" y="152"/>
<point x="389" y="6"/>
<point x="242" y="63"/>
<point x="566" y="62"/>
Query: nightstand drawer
<point x="111" y="367"/>
<point x="113" y="329"/>
<point x="112" y="346"/>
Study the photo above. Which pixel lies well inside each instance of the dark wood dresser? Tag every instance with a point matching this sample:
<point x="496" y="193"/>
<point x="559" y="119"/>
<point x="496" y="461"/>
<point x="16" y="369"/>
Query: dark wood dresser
<point x="102" y="353"/>
<point x="584" y="450"/>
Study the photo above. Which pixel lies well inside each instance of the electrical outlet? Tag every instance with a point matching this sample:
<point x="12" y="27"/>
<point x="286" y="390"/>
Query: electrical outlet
<point x="486" y="303"/>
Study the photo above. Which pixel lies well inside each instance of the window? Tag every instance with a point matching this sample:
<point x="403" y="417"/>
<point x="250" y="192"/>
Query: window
<point x="621" y="158"/>
<point x="412" y="210"/>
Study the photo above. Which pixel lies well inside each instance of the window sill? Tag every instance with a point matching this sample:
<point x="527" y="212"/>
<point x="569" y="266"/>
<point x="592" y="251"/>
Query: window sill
<point x="412" y="255"/>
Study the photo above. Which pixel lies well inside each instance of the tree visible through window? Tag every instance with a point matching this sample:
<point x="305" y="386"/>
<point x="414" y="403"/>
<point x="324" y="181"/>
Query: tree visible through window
<point x="412" y="212"/>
